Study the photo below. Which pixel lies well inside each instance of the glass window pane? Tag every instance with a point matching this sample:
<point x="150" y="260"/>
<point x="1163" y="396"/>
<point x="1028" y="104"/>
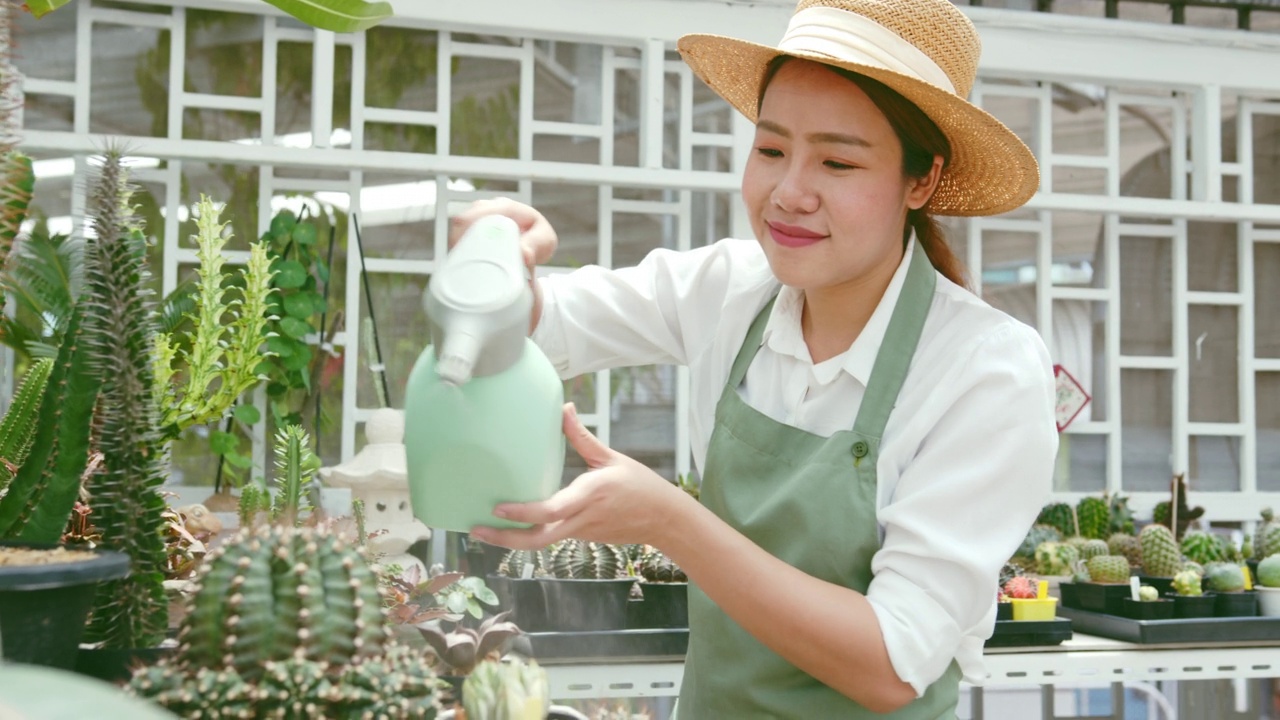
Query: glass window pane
<point x="1266" y="294"/>
<point x="1267" y="390"/>
<point x="1078" y="345"/>
<point x="1212" y="257"/>
<point x="1146" y="296"/>
<point x="1082" y="463"/>
<point x="1214" y="339"/>
<point x="1214" y="464"/>
<point x="484" y="119"/>
<point x="1147" y="429"/>
<point x="1078" y="253"/>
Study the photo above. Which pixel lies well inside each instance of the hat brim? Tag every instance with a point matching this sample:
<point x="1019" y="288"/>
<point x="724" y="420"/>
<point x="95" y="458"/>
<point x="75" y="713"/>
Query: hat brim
<point x="991" y="170"/>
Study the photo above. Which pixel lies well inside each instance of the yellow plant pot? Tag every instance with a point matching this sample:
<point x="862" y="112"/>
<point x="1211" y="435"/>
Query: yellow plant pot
<point x="1035" y="608"/>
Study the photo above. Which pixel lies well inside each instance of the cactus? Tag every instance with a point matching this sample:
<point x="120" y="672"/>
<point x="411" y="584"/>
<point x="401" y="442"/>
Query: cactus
<point x="1224" y="577"/>
<point x="1147" y="593"/>
<point x="1093" y="548"/>
<point x="254" y="499"/>
<point x="1193" y="566"/>
<point x="581" y="560"/>
<point x="19" y="424"/>
<point x="399" y="684"/>
<point x="1020" y="587"/>
<point x="1080" y="572"/>
<point x="1266" y="539"/>
<point x="1055" y="558"/>
<point x="1035" y="536"/>
<point x="509" y="690"/>
<point x="1269" y="572"/>
<point x="1187" y="583"/>
<point x="1111" y="569"/>
<point x="1009" y="572"/>
<point x="1121" y="515"/>
<point x="1202" y="547"/>
<point x="1126" y="545"/>
<point x="296" y="467"/>
<point x="1160" y="553"/>
<point x="1095" y="518"/>
<point x="1186" y="513"/>
<point x="654" y="566"/>
<point x="279" y="592"/>
<point x="515" y="561"/>
<point x="1061" y="516"/>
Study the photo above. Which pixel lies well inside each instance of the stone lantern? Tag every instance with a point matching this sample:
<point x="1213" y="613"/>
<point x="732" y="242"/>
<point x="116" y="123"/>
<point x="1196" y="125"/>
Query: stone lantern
<point x="377" y="476"/>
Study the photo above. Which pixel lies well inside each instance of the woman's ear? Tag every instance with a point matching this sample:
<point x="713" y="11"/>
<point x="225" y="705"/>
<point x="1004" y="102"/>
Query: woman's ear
<point x="920" y="189"/>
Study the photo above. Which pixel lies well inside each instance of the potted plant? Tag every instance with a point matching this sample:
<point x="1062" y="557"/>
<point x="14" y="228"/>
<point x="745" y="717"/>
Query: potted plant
<point x="1161" y="557"/>
<point x="1107" y="586"/>
<point x="1189" y="599"/>
<point x="1266" y="540"/>
<point x="1030" y="599"/>
<point x="517" y="584"/>
<point x="1148" y="606"/>
<point x="664" y="590"/>
<point x="1226" y="580"/>
<point x="1268" y="586"/>
<point x="586" y="587"/>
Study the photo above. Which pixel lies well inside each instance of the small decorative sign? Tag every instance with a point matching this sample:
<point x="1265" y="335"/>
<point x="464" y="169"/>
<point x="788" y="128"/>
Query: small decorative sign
<point x="1072" y="397"/>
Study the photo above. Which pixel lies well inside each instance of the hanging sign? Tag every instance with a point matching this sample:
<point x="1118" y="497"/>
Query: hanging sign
<point x="1072" y="397"/>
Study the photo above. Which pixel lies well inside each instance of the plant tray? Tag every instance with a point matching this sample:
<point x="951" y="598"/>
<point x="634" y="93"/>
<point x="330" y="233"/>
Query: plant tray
<point x="1185" y="630"/>
<point x="608" y="644"/>
<point x="1025" y="633"/>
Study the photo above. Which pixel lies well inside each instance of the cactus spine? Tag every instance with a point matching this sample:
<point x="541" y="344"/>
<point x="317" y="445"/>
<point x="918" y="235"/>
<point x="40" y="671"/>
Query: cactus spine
<point x="1266" y="539"/>
<point x="1112" y="569"/>
<point x="296" y="467"/>
<point x="19" y="424"/>
<point x="1160" y="553"/>
<point x="654" y="566"/>
<point x="580" y="560"/>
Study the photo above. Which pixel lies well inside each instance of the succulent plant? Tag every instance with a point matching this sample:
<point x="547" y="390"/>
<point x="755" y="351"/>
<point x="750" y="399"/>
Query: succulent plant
<point x="1080" y="572"/>
<point x="522" y="563"/>
<point x="1203" y="547"/>
<point x="1055" y="558"/>
<point x="581" y="560"/>
<point x="1269" y="571"/>
<point x="1009" y="572"/>
<point x="1037" y="535"/>
<point x="19" y="424"/>
<point x="1020" y="587"/>
<point x="1266" y="539"/>
<point x="462" y="649"/>
<point x="1186" y="513"/>
<point x="279" y="592"/>
<point x="1126" y="545"/>
<point x="507" y="690"/>
<point x="1224" y="577"/>
<point x="654" y="566"/>
<point x="1161" y="556"/>
<point x="1187" y="583"/>
<point x="1111" y="569"/>
<point x="1093" y="548"/>
<point x="1061" y="516"/>
<point x="1094" y="514"/>
<point x="1121" y="515"/>
<point x="1147" y="593"/>
<point x="1193" y="566"/>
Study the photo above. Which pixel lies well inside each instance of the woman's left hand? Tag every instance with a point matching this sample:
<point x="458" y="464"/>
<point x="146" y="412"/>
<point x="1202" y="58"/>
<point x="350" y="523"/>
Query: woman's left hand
<point x="617" y="500"/>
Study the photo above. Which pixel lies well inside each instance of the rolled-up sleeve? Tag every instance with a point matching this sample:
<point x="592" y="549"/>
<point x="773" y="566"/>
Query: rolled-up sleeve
<point x="963" y="503"/>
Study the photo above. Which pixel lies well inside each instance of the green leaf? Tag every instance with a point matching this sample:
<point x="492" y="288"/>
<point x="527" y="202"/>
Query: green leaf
<point x="301" y="305"/>
<point x="223" y="443"/>
<point x="295" y="328"/>
<point x="474" y="609"/>
<point x="487" y="596"/>
<point x="456" y="601"/>
<point x="318" y="303"/>
<point x="235" y="459"/>
<point x="342" y="16"/>
<point x="304" y="234"/>
<point x="299" y="359"/>
<point x="40" y="8"/>
<point x="322" y="270"/>
<point x="290" y="274"/>
<point x="284" y="220"/>
<point x="247" y="414"/>
<point x="281" y="346"/>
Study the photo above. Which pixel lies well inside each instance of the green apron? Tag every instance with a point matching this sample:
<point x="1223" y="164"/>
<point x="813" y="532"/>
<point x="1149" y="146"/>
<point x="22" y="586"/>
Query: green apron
<point x="810" y="501"/>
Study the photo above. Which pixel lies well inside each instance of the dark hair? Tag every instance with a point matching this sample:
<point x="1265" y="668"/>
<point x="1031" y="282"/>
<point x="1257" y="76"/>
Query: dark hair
<point x="921" y="142"/>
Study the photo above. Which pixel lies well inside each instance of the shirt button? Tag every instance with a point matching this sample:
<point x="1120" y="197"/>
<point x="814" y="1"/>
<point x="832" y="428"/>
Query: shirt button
<point x="860" y="449"/>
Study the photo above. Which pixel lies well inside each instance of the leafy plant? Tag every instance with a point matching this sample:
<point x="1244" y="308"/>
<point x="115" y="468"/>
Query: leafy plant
<point x="17" y="182"/>
<point x="462" y="648"/>
<point x="335" y="15"/>
<point x="448" y="596"/>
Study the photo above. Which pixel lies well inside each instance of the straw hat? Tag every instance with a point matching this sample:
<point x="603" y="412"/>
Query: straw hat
<point x="927" y="50"/>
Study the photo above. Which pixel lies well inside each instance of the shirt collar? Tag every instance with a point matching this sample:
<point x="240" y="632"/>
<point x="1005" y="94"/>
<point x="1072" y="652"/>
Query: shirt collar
<point x="783" y="335"/>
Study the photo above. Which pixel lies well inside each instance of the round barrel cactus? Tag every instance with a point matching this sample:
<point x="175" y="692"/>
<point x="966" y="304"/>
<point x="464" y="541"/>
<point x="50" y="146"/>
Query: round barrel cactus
<point x="581" y="560"/>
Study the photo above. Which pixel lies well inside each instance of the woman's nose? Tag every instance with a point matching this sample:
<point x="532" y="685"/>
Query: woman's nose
<point x="794" y="192"/>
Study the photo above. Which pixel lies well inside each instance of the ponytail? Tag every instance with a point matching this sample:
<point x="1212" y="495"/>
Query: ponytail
<point x="944" y="260"/>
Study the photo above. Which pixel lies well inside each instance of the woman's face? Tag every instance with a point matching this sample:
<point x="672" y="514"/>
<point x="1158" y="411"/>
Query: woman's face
<point x="824" y="184"/>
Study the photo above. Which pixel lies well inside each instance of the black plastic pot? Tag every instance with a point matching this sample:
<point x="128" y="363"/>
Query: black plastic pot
<point x="665" y="606"/>
<point x="117" y="665"/>
<point x="1147" y="609"/>
<point x="1236" y="604"/>
<point x="1004" y="611"/>
<point x="582" y="605"/>
<point x="1162" y="585"/>
<point x="43" y="608"/>
<point x="1102" y="597"/>
<point x="1192" y="606"/>
<point x="1069" y="594"/>
<point x="528" y="608"/>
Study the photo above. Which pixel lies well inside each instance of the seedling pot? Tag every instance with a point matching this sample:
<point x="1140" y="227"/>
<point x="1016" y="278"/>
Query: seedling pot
<point x="1192" y="606"/>
<point x="1236" y="604"/>
<point x="1268" y="601"/>
<point x="1147" y="609"/>
<point x="580" y="605"/>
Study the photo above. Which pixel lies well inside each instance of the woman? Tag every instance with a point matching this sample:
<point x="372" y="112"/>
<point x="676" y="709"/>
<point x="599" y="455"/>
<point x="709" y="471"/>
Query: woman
<point x="873" y="439"/>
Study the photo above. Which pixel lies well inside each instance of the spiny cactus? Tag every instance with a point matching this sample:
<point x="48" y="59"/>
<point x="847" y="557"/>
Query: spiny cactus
<point x="580" y="560"/>
<point x="1061" y="516"/>
<point x="1093" y="548"/>
<point x="17" y="183"/>
<point x="1121" y="515"/>
<point x="19" y="424"/>
<point x="1186" y="513"/>
<point x="296" y="468"/>
<point x="1037" y="535"/>
<point x="509" y="690"/>
<point x="278" y="592"/>
<point x="1009" y="572"/>
<point x="1126" y="545"/>
<point x="1112" y="569"/>
<point x="1203" y="547"/>
<point x="1080" y="572"/>
<point x="1224" y="577"/>
<point x="1095" y="517"/>
<point x="655" y="566"/>
<point x="399" y="684"/>
<point x="1055" y="558"/>
<point x="1266" y="539"/>
<point x="1020" y="587"/>
<point x="1187" y="583"/>
<point x="515" y="563"/>
<point x="1161" y="556"/>
<point x="1269" y="572"/>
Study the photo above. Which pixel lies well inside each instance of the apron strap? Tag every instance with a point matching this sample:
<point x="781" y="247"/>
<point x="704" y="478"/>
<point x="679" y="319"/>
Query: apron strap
<point x="899" y="345"/>
<point x="750" y="346"/>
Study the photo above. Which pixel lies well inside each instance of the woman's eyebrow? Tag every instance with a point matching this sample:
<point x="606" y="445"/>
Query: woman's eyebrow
<point x="817" y="137"/>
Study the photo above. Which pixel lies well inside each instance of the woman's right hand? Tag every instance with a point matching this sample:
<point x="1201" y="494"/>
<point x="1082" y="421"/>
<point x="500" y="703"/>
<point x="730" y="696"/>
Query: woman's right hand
<point x="537" y="238"/>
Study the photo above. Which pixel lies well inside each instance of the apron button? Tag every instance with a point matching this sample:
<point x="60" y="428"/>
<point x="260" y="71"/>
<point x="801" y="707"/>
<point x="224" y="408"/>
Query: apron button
<point x="860" y="449"/>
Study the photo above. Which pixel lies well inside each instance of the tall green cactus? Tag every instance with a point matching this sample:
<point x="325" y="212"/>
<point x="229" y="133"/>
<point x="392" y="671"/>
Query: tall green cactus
<point x="128" y="507"/>
<point x="296" y="468"/>
<point x="43" y="491"/>
<point x="19" y="424"/>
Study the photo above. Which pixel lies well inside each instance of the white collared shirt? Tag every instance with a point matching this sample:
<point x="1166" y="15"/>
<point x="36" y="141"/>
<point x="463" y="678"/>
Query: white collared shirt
<point x="967" y="456"/>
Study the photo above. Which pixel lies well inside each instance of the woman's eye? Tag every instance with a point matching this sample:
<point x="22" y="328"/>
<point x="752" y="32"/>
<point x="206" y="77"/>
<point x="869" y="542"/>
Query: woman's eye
<point x="769" y="152"/>
<point x="837" y="165"/>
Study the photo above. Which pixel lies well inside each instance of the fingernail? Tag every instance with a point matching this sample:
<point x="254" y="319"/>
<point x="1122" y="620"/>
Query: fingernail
<point x="500" y="511"/>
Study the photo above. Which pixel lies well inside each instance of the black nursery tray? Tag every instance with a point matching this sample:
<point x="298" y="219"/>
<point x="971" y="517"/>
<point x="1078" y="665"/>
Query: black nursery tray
<point x="1024" y="633"/>
<point x="614" y="645"/>
<point x="1188" y="630"/>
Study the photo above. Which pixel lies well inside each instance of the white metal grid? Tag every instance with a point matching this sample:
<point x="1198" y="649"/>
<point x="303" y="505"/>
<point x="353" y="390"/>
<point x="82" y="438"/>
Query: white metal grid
<point x="1112" y="55"/>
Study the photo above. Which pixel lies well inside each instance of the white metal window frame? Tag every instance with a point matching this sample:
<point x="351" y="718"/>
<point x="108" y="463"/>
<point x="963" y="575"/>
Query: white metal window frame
<point x="1195" y="66"/>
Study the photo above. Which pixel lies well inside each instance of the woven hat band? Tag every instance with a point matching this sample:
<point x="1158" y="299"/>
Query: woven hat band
<point x="849" y="37"/>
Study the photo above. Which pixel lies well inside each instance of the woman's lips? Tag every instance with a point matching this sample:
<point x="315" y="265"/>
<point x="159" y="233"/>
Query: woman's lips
<point x="792" y="236"/>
